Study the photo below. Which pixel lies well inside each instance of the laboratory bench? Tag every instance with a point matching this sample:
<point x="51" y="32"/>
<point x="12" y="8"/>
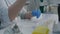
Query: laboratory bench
<point x="27" y="26"/>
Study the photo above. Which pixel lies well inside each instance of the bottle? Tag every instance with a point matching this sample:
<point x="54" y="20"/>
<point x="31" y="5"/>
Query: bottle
<point x="41" y="29"/>
<point x="16" y="30"/>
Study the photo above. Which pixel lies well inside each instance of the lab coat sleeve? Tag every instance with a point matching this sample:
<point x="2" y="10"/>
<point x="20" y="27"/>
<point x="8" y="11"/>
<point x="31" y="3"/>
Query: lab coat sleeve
<point x="5" y="18"/>
<point x="5" y="21"/>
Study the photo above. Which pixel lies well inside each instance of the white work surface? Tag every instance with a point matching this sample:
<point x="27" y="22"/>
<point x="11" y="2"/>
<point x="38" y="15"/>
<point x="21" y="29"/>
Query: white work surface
<point x="27" y="26"/>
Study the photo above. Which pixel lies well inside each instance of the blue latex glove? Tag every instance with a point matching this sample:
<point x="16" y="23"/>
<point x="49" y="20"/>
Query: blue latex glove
<point x="36" y="13"/>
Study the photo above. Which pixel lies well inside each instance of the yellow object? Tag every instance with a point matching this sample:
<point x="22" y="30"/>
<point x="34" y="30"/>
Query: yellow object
<point x="41" y="30"/>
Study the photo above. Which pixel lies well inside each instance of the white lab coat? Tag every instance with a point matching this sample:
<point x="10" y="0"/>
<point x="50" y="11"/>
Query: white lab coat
<point x="4" y="15"/>
<point x="5" y="21"/>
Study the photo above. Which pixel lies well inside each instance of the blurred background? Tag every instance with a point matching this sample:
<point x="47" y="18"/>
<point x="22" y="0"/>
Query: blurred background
<point x="45" y="6"/>
<point x="50" y="13"/>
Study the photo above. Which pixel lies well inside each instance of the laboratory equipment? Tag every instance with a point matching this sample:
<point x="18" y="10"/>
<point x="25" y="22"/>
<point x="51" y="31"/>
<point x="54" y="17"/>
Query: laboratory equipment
<point x="42" y="9"/>
<point x="14" y="30"/>
<point x="43" y="23"/>
<point x="59" y="12"/>
<point x="43" y="6"/>
<point x="41" y="30"/>
<point x="36" y="13"/>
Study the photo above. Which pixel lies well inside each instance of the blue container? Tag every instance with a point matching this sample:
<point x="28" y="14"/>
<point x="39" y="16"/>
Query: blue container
<point x="36" y="13"/>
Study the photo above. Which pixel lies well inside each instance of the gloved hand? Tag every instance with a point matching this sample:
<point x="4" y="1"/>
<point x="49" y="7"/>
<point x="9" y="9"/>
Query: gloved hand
<point x="36" y="13"/>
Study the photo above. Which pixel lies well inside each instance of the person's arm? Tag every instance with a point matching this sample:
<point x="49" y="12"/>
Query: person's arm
<point x="15" y="8"/>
